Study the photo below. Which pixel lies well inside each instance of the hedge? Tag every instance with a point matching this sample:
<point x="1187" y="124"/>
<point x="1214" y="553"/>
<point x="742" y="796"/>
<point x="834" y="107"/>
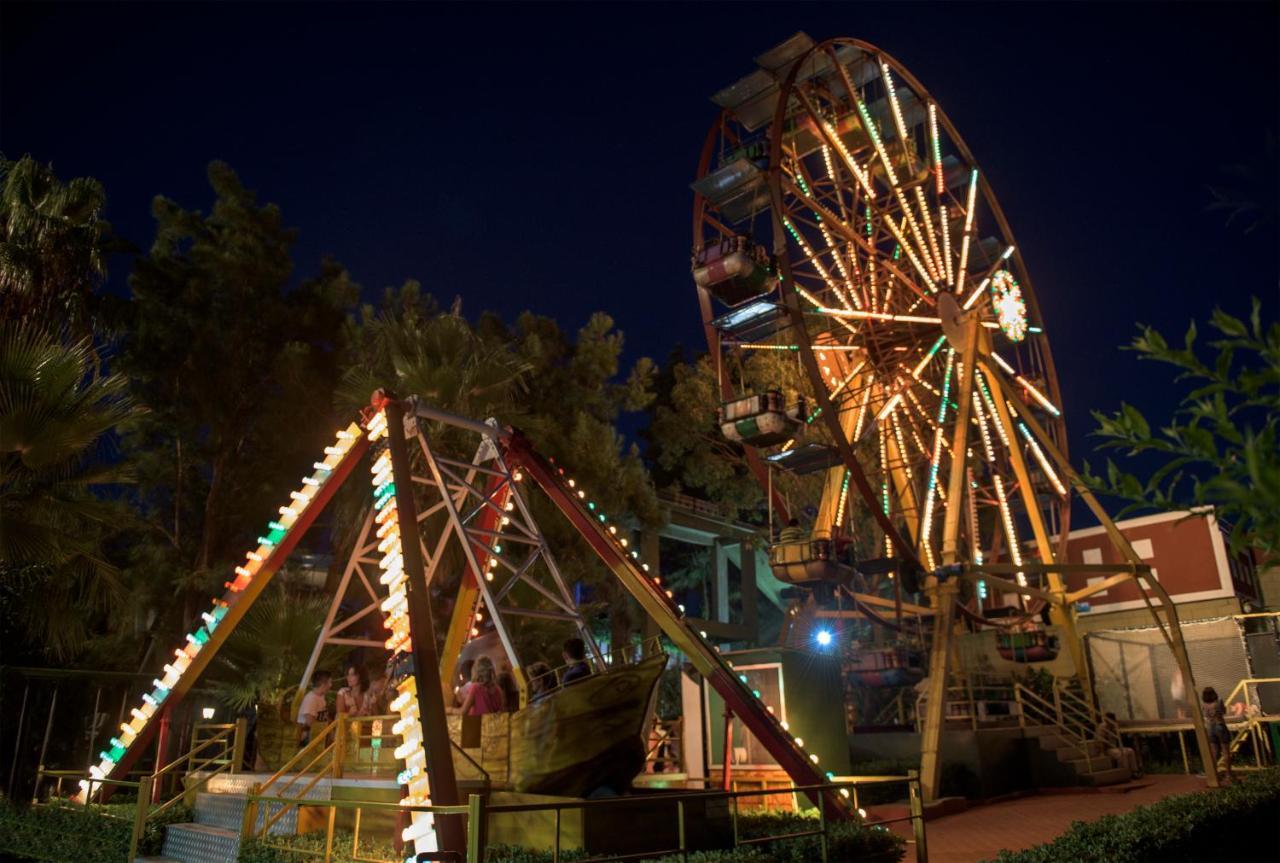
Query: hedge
<point x="1236" y="823"/>
<point x="58" y="832"/>
<point x="258" y="851"/>
<point x="846" y="843"/>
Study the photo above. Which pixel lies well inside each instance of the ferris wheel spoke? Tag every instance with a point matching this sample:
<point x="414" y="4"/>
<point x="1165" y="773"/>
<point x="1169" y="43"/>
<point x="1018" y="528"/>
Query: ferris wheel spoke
<point x="899" y="123"/>
<point x="851" y="236"/>
<point x="1026" y="385"/>
<point x="832" y="138"/>
<point x="967" y="235"/>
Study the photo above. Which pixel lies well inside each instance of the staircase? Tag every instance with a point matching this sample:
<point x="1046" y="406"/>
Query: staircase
<point x="1074" y="763"/>
<point x="1073" y="738"/>
<point x="214" y="835"/>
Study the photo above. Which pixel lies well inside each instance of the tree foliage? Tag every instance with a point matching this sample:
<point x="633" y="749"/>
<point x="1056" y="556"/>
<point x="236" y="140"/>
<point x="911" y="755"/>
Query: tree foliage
<point x="1221" y="448"/>
<point x="236" y="366"/>
<point x="57" y="411"/>
<point x="52" y="246"/>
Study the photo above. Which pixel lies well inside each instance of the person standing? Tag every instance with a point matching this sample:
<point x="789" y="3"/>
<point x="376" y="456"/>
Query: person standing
<point x="356" y="698"/>
<point x="1215" y="725"/>
<point x="314" y="707"/>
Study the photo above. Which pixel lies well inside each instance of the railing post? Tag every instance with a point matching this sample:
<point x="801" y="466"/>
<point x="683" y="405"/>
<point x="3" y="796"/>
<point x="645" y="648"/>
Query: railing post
<point x="917" y="816"/>
<point x="822" y="825"/>
<point x="328" y="834"/>
<point x="250" y="821"/>
<point x="684" y="852"/>
<point x="339" y="746"/>
<point x="476" y="829"/>
<point x="1017" y="697"/>
<point x="238" y="744"/>
<point x="140" y="811"/>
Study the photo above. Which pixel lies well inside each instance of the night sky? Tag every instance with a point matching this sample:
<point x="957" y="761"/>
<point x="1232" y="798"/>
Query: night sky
<point x="539" y="156"/>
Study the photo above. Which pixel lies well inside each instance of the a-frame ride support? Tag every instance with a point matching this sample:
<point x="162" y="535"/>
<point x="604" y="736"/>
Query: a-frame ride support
<point x="944" y="584"/>
<point x="1171" y="628"/>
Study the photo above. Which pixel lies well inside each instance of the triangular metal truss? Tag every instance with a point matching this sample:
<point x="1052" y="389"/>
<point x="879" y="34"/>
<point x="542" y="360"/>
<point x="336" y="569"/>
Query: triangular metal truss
<point x="473" y="515"/>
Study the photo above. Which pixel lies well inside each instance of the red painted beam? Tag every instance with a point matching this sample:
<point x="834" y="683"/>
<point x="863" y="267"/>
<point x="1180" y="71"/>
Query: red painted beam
<point x="238" y="604"/>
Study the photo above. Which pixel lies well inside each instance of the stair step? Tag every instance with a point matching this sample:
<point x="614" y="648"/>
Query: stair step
<point x="227" y="811"/>
<point x="1082" y="765"/>
<point x="240" y="783"/>
<point x="1070" y="751"/>
<point x="201" y="843"/>
<point x="1113" y="776"/>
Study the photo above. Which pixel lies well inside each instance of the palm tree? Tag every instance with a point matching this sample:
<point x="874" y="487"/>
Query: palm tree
<point x="52" y="245"/>
<point x="268" y="651"/>
<point x="57" y="411"/>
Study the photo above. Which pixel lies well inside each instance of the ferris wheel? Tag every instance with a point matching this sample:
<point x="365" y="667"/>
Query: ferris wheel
<point x="840" y="220"/>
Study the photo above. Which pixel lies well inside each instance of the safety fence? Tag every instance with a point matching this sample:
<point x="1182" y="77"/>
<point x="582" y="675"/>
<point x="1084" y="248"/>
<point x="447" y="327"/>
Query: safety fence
<point x="684" y="805"/>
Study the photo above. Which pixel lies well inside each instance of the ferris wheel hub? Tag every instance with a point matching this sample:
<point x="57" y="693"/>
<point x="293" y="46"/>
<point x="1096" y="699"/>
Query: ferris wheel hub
<point x="955" y="322"/>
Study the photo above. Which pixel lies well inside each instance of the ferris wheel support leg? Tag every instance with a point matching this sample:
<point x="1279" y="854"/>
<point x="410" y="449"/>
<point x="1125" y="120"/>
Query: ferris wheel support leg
<point x="948" y="591"/>
<point x="1174" y="634"/>
<point x="1061" y="612"/>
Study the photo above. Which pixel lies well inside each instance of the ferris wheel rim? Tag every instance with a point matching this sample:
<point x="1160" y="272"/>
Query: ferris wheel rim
<point x="706" y="225"/>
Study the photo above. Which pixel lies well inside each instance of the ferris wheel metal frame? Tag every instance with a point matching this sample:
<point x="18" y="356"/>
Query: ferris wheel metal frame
<point x="796" y="80"/>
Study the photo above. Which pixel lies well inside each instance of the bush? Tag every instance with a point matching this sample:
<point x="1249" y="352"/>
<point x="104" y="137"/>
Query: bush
<point x="59" y="831"/>
<point x="874" y="795"/>
<point x="260" y="851"/>
<point x="846" y="843"/>
<point x="1233" y="823"/>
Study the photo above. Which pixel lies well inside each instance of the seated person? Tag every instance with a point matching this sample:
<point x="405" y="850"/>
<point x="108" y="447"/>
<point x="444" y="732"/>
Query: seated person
<point x="792" y="532"/>
<point x="575" y="656"/>
<point x="314" y="707"/>
<point x="542" y="682"/>
<point x="482" y="695"/>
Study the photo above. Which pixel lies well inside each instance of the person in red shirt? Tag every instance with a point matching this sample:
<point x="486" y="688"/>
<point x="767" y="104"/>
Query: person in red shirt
<point x="483" y="694"/>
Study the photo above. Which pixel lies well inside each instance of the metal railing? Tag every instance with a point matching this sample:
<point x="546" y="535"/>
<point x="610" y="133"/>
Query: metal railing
<point x="478" y="813"/>
<point x="222" y="751"/>
<point x="1042" y="712"/>
<point x="473" y="812"/>
<point x="142" y="808"/>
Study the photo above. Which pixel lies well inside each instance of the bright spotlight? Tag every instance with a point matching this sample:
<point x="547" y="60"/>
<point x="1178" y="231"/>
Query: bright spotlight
<point x="823" y="637"/>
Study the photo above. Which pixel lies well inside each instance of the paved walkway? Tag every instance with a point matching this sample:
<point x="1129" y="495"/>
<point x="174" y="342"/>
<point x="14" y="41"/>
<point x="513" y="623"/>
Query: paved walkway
<point x="983" y="831"/>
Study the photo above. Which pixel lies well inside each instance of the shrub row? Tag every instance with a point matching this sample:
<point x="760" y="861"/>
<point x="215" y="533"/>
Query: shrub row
<point x="846" y="843"/>
<point x="58" y="832"/>
<point x="1236" y="823"/>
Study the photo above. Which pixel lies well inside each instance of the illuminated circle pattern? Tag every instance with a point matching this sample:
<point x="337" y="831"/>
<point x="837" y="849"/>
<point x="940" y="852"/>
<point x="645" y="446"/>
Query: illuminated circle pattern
<point x="1006" y="299"/>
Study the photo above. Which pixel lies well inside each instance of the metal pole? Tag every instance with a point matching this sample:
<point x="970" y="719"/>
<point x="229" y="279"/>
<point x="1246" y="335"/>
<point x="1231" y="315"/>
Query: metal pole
<point x="140" y="812"/>
<point x="726" y="782"/>
<point x="238" y="744"/>
<point x="426" y="662"/>
<point x="948" y="591"/>
<point x="44" y="744"/>
<point x="93" y="728"/>
<point x="17" y="737"/>
<point x="476" y="829"/>
<point x="917" y="816"/>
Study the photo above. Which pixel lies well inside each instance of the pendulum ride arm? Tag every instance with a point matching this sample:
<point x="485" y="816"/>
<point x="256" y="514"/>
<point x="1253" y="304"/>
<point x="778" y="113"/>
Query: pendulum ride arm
<point x="737" y="696"/>
<point x="464" y="609"/>
<point x="427" y="690"/>
<point x="193" y="658"/>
